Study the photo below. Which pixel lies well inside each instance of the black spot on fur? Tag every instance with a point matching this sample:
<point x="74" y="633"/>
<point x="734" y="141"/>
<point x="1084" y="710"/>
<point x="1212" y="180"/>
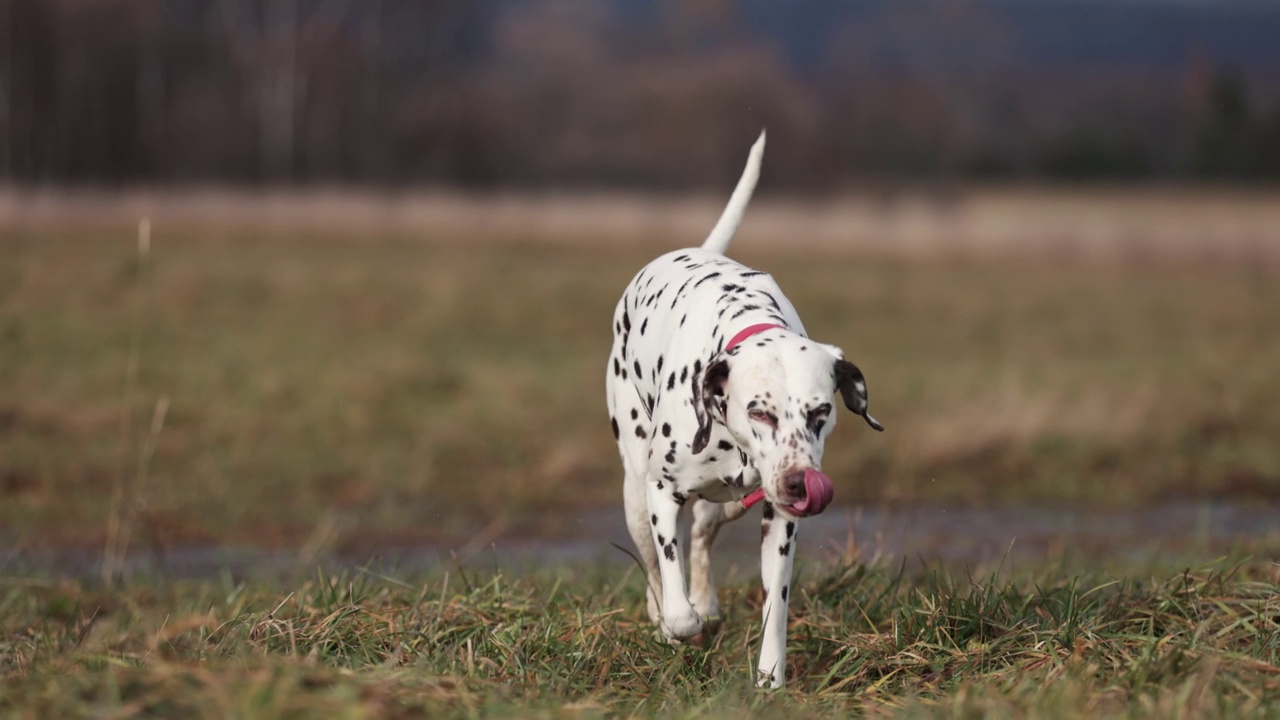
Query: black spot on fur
<point x="614" y="422"/>
<point x="785" y="549"/>
<point x="791" y="529"/>
<point x="617" y="368"/>
<point x="679" y="497"/>
<point x="626" y="322"/>
<point x="670" y="551"/>
<point x="640" y="433"/>
<point x="784" y="592"/>
<point x="710" y="276"/>
<point x="635" y="414"/>
<point x="671" y="381"/>
<point x="644" y="326"/>
<point x="639" y="373"/>
<point x="725" y="445"/>
<point x="666" y="430"/>
<point x="661" y="540"/>
<point x="767" y="513"/>
<point x="653" y="519"/>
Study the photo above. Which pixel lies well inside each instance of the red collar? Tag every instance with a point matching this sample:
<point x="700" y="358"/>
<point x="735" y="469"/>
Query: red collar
<point x="748" y="332"/>
<point x="757" y="495"/>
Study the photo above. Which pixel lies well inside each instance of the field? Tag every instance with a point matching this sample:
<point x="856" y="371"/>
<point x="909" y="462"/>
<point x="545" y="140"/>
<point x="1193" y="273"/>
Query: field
<point x="1201" y="643"/>
<point x="333" y="376"/>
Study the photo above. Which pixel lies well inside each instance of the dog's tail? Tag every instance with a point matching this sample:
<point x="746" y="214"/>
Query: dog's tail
<point x="722" y="233"/>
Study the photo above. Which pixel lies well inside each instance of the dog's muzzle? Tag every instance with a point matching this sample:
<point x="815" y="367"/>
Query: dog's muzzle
<point x="817" y="496"/>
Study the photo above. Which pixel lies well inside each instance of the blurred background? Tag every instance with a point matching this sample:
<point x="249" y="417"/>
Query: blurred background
<point x="657" y="94"/>
<point x="331" y="277"/>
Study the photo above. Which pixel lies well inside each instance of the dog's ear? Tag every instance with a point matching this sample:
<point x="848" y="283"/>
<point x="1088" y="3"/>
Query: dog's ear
<point x="708" y="394"/>
<point x="853" y="388"/>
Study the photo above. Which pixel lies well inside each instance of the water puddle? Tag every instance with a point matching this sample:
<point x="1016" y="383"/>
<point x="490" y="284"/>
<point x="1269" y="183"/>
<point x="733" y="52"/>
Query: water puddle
<point x="920" y="534"/>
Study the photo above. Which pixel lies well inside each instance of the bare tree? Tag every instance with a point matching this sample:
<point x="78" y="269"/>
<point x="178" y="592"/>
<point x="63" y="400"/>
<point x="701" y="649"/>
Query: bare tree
<point x="275" y="51"/>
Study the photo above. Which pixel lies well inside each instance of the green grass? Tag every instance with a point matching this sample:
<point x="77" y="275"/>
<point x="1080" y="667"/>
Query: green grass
<point x="405" y="388"/>
<point x="1203" y="642"/>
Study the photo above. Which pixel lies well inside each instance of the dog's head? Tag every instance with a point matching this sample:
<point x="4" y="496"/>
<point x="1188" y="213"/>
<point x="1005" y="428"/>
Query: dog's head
<point x="774" y="396"/>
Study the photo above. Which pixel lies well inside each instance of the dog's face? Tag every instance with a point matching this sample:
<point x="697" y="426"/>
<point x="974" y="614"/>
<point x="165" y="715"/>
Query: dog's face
<point x="775" y="398"/>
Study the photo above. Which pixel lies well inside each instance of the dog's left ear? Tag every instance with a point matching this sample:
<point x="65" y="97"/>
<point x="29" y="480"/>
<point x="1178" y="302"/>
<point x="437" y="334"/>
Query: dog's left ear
<point x="852" y="386"/>
<point x="707" y="393"/>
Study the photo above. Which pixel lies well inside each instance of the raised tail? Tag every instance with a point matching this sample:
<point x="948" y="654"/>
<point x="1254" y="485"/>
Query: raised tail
<point x="722" y="233"/>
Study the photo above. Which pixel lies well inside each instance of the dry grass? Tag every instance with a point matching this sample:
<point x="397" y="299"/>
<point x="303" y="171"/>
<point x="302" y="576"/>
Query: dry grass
<point x="865" y="640"/>
<point x="1124" y="225"/>
<point x="375" y="386"/>
<point x="331" y="378"/>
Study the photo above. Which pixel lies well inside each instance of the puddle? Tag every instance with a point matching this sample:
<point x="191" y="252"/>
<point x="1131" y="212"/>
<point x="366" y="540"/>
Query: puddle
<point x="916" y="534"/>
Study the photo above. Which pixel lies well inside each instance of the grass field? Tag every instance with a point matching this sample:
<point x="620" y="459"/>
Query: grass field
<point x="1204" y="642"/>
<point x="375" y="380"/>
<point x="307" y="383"/>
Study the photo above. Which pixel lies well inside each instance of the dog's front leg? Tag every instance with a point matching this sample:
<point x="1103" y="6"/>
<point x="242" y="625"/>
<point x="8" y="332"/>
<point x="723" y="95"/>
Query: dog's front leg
<point x="679" y="620"/>
<point x="777" y="550"/>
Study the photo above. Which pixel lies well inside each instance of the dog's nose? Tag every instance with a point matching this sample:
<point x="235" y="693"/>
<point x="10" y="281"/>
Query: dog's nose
<point x="793" y="485"/>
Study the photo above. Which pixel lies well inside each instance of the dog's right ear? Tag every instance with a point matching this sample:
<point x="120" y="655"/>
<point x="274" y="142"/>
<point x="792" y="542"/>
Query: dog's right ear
<point x="708" y="400"/>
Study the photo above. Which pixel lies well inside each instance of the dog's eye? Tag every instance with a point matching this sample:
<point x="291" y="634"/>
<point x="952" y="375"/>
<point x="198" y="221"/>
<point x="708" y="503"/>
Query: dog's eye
<point x="763" y="416"/>
<point x="818" y="417"/>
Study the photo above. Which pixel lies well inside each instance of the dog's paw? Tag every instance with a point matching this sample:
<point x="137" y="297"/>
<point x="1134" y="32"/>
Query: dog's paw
<point x="767" y="681"/>
<point x="681" y="627"/>
<point x="710" y="628"/>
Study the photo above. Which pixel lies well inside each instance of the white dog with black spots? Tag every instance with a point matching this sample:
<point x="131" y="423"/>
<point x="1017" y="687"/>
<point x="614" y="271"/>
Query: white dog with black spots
<point x="718" y="399"/>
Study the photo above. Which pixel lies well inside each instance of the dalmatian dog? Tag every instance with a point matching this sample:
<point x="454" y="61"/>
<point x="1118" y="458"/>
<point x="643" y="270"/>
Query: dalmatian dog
<point x="718" y="400"/>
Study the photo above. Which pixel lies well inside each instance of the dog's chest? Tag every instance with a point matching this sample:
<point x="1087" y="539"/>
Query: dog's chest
<point x="720" y="473"/>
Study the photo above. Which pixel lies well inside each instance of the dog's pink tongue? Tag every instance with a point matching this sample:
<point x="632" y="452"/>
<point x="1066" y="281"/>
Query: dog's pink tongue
<point x="818" y="494"/>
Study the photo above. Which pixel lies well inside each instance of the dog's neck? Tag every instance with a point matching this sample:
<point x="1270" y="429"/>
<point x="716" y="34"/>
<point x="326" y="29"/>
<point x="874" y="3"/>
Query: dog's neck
<point x="748" y="331"/>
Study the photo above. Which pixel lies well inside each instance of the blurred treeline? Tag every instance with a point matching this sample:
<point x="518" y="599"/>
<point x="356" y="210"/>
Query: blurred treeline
<point x="650" y="93"/>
